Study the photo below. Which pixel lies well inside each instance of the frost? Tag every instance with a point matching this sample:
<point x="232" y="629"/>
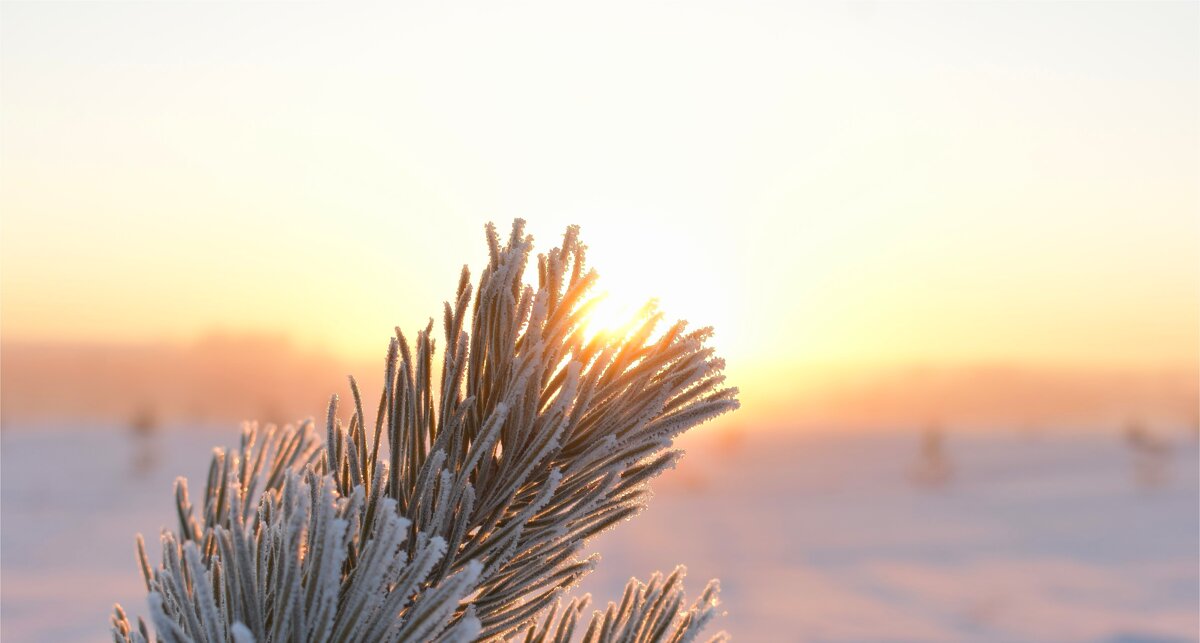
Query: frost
<point x="456" y="512"/>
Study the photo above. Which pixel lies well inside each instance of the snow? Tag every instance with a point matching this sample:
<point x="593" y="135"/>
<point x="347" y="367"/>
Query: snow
<point x="833" y="536"/>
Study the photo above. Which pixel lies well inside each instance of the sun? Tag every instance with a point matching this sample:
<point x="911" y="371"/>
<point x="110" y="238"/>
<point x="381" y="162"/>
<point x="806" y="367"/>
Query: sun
<point x="613" y="315"/>
<point x="642" y="257"/>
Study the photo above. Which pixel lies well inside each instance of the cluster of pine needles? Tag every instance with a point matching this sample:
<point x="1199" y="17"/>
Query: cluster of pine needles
<point x="458" y="512"/>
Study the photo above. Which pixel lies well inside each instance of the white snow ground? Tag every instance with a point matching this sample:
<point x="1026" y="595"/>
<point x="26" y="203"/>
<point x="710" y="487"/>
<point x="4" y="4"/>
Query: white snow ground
<point x="1057" y="536"/>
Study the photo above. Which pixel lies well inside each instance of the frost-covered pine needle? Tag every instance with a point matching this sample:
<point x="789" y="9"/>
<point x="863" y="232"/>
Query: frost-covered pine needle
<point x="458" y="511"/>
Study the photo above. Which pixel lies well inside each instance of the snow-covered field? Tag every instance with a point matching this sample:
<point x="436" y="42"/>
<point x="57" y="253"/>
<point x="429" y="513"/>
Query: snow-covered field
<point x="854" y="536"/>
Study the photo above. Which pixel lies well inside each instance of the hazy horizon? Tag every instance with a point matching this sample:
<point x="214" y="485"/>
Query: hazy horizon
<point x="224" y="377"/>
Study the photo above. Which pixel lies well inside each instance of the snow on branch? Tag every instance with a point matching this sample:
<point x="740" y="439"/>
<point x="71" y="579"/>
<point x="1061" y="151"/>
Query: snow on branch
<point x="458" y="512"/>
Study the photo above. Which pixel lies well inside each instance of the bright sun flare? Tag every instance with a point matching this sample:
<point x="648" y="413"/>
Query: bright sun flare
<point x="612" y="315"/>
<point x="634" y="269"/>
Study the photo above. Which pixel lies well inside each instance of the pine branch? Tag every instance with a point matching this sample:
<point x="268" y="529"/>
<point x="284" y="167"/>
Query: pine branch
<point x="460" y="513"/>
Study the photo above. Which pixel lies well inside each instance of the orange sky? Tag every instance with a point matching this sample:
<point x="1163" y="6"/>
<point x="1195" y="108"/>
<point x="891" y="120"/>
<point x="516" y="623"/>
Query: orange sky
<point x="859" y="186"/>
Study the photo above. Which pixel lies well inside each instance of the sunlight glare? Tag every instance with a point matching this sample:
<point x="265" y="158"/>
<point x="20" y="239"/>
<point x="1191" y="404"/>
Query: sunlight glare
<point x="614" y="317"/>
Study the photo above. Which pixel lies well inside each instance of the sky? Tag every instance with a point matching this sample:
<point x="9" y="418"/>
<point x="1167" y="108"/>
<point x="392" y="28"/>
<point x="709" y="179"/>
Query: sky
<point x="868" y="184"/>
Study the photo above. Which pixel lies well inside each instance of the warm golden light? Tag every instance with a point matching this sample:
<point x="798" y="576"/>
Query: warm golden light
<point x="948" y="252"/>
<point x="871" y="211"/>
<point x="614" y="318"/>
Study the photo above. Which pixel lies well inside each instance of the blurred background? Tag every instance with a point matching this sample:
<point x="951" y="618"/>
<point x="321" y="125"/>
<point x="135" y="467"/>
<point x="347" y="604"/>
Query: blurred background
<point x="951" y="253"/>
